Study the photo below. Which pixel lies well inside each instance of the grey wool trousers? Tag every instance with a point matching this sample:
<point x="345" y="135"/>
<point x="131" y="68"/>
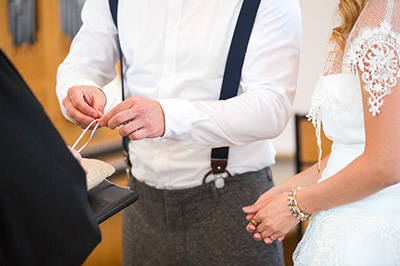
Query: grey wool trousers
<point x="197" y="226"/>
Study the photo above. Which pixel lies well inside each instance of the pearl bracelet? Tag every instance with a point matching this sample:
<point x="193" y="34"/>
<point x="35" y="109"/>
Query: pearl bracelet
<point x="294" y="207"/>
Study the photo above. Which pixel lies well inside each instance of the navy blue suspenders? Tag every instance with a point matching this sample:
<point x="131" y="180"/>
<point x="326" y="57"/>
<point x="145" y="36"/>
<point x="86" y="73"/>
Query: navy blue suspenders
<point x="232" y="73"/>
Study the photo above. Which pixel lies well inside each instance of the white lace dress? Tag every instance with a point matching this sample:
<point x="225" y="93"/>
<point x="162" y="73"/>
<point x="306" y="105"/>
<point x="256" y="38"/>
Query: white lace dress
<point x="366" y="232"/>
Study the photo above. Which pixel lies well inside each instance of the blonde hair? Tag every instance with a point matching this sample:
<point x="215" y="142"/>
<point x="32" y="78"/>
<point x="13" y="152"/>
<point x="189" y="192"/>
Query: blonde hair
<point x="349" y="11"/>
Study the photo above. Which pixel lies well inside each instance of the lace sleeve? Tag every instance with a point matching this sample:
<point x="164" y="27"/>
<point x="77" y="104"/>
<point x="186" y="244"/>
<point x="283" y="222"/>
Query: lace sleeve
<point x="376" y="53"/>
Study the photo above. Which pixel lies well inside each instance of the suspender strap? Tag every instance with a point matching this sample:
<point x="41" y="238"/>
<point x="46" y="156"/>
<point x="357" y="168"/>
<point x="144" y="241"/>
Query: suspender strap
<point x="233" y="71"/>
<point x="237" y="50"/>
<point x="114" y="13"/>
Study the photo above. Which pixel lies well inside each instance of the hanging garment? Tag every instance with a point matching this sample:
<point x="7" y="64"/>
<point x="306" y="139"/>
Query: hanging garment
<point x="22" y="21"/>
<point x="71" y="16"/>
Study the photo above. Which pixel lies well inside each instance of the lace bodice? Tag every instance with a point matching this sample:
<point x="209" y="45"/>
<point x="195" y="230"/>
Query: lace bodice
<point x="372" y="55"/>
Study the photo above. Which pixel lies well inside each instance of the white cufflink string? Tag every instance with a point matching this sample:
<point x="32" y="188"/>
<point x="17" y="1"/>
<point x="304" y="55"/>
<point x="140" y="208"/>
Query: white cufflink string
<point x="83" y="133"/>
<point x="91" y="135"/>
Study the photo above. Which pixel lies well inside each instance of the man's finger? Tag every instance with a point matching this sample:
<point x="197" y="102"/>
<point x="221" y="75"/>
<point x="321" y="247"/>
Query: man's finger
<point x="98" y="105"/>
<point x="138" y="134"/>
<point x="125" y="117"/>
<point x="104" y="121"/>
<point x="130" y="128"/>
<point x="79" y="119"/>
<point x="80" y="104"/>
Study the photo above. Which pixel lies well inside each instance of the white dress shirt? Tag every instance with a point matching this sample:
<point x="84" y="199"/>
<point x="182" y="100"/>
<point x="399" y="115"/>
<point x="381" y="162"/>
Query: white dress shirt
<point x="175" y="52"/>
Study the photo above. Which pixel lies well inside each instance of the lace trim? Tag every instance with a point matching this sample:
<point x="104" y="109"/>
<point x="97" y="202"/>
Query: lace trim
<point x="376" y="52"/>
<point x="314" y="115"/>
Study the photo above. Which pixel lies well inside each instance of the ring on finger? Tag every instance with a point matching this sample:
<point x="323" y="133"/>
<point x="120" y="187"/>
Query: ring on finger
<point x="254" y="222"/>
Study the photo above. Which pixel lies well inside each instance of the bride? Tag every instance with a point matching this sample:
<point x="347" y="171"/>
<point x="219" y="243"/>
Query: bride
<point x="354" y="205"/>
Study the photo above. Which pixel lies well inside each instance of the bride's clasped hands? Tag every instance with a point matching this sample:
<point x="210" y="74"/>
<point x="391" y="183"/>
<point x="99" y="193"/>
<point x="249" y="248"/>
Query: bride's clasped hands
<point x="270" y="217"/>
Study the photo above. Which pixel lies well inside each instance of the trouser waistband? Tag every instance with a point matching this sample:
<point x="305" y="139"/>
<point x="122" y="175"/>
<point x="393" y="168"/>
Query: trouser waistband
<point x="205" y="191"/>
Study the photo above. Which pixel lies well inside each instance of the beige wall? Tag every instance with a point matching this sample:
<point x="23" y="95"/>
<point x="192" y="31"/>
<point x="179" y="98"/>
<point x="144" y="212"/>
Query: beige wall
<point x="318" y="20"/>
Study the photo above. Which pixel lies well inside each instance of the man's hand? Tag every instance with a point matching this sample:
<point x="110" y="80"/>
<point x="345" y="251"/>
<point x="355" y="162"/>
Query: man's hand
<point x="139" y="117"/>
<point x="84" y="104"/>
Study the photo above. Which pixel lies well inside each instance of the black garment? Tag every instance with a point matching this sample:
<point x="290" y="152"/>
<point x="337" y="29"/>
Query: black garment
<point x="45" y="218"/>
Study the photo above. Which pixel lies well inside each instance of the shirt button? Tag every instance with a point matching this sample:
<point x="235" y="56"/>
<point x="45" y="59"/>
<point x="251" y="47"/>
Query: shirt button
<point x="172" y="31"/>
<point x="169" y="73"/>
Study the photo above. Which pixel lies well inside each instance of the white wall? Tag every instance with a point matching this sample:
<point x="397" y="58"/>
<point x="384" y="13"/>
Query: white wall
<point x="318" y="18"/>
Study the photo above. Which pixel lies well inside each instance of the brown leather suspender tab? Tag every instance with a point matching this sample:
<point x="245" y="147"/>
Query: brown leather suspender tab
<point x="218" y="167"/>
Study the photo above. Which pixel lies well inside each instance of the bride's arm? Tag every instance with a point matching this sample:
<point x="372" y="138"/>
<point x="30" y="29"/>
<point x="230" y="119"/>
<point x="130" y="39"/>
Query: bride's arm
<point x="371" y="172"/>
<point x="306" y="178"/>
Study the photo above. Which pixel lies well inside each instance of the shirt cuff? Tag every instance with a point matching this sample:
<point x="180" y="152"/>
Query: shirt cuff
<point x="177" y="119"/>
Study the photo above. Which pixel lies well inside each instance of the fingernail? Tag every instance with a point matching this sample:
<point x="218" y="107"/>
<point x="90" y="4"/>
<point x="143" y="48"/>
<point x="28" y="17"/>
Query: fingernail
<point x="245" y="209"/>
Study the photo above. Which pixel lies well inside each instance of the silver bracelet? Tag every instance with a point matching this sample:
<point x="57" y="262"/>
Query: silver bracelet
<point x="294" y="207"/>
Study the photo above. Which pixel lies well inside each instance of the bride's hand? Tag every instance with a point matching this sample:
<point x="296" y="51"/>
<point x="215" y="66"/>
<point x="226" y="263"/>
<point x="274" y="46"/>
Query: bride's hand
<point x="261" y="202"/>
<point x="273" y="217"/>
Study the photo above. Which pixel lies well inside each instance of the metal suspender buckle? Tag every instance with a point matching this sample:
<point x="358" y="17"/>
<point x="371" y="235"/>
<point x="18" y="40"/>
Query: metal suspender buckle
<point x="218" y="168"/>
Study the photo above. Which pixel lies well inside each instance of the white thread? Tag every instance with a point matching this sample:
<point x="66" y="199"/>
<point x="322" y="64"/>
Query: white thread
<point x="83" y="133"/>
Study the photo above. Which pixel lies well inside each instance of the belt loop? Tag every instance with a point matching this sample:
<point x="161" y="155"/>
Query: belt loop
<point x="269" y="174"/>
<point x="128" y="165"/>
<point x="214" y="191"/>
<point x="131" y="182"/>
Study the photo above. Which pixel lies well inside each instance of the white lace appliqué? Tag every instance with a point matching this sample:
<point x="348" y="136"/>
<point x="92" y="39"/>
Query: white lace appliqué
<point x="376" y="52"/>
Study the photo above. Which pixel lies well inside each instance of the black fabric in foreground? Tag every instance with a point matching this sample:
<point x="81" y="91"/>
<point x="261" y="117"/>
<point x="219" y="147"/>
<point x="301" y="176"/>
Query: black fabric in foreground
<point x="45" y="217"/>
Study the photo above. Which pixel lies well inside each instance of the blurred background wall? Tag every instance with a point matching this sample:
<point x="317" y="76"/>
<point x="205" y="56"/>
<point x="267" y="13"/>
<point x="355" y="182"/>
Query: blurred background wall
<point x="318" y="18"/>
